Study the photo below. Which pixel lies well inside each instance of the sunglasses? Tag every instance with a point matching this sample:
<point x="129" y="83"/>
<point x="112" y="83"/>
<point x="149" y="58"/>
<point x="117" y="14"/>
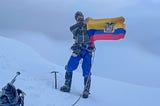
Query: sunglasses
<point x="80" y="18"/>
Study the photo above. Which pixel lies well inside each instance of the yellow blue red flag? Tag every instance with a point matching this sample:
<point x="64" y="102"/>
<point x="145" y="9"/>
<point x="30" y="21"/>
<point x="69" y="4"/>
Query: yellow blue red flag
<point x="106" y="29"/>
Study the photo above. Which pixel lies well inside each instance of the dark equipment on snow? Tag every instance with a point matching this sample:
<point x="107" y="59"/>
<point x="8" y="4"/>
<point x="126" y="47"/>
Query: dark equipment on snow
<point x="55" y="76"/>
<point x="10" y="96"/>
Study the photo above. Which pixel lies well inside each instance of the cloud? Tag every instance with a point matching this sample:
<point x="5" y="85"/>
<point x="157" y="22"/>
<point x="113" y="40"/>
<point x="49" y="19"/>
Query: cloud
<point x="53" y="17"/>
<point x="48" y="16"/>
<point x="155" y="1"/>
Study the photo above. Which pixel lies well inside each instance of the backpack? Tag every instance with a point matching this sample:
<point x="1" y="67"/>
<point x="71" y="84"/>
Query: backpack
<point x="10" y="96"/>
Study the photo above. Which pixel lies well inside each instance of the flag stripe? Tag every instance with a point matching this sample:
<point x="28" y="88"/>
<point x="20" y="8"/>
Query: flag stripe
<point x="101" y="23"/>
<point x="101" y="35"/>
<point x="108" y="37"/>
<point x="117" y="31"/>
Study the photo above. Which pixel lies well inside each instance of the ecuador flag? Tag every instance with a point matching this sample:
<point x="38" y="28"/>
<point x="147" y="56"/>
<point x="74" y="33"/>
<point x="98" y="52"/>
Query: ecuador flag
<point x="106" y="29"/>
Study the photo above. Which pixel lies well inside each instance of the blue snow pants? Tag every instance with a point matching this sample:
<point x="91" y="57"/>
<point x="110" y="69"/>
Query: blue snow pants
<point x="74" y="62"/>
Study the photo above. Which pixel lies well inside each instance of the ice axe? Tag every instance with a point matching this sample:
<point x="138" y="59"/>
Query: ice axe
<point x="55" y="76"/>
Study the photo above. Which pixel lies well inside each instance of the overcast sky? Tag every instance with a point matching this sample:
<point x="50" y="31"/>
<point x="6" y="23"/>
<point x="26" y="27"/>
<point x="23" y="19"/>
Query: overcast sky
<point x="53" y="17"/>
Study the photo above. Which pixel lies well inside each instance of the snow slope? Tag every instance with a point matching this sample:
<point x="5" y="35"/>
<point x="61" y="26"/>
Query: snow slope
<point x="120" y="60"/>
<point x="38" y="83"/>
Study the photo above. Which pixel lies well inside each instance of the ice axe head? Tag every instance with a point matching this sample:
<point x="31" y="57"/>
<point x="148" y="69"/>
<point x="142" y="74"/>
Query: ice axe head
<point x="14" y="79"/>
<point x="18" y="73"/>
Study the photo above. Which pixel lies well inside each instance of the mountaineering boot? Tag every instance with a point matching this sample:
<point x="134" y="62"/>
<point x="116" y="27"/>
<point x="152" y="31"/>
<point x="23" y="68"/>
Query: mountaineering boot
<point x="87" y="84"/>
<point x="68" y="80"/>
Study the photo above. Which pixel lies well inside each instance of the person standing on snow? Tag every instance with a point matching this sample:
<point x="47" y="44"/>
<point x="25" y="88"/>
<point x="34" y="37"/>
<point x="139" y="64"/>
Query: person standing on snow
<point x="82" y="49"/>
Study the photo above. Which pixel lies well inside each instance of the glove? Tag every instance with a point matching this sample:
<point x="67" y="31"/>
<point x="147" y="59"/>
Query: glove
<point x="92" y="45"/>
<point x="80" y="24"/>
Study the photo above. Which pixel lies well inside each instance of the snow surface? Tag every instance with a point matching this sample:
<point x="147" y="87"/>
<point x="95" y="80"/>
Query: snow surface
<point x="38" y="83"/>
<point x="121" y="60"/>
